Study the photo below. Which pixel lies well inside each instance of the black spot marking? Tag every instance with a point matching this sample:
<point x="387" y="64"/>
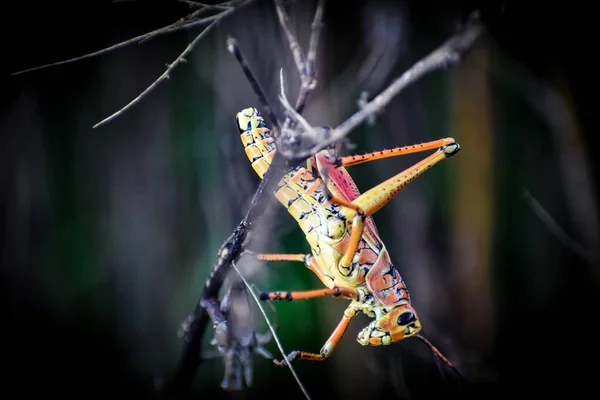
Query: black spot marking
<point x="288" y="296"/>
<point x="291" y="201"/>
<point x="264" y="296"/>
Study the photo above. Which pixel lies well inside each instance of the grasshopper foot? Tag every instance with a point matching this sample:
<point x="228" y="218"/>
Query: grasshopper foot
<point x="290" y="358"/>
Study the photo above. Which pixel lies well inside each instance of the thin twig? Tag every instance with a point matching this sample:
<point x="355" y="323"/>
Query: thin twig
<point x="189" y="21"/>
<point x="316" y="26"/>
<point x="284" y="21"/>
<point x="103" y="51"/>
<point x="308" y="131"/>
<point x="164" y="76"/>
<point x="304" y="65"/>
<point x="178" y="60"/>
<point x="277" y="341"/>
<point x="308" y="76"/>
<point x="232" y="46"/>
<point x="445" y="55"/>
<point x="555" y="229"/>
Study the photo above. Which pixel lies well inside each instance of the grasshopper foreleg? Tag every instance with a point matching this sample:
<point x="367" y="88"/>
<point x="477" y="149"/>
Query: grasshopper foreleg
<point x="329" y="345"/>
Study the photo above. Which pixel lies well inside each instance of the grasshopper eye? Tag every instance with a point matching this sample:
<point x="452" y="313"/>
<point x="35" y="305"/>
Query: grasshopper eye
<point x="406" y="318"/>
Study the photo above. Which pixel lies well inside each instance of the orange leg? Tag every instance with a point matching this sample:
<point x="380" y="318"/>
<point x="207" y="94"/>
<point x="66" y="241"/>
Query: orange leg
<point x="375" y="198"/>
<point x="307" y="259"/>
<point x="336" y="291"/>
<point x="329" y="345"/>
<point x="358" y="225"/>
<point x="284" y="257"/>
<point x="378" y="196"/>
<point x="398" y="151"/>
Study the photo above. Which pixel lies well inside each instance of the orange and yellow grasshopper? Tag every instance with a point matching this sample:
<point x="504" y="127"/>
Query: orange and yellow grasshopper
<point x="347" y="254"/>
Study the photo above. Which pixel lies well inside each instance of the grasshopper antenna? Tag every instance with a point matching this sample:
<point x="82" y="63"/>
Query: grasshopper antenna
<point x="439" y="356"/>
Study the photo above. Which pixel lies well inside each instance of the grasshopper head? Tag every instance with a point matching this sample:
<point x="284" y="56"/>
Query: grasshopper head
<point x="400" y="323"/>
<point x="249" y="118"/>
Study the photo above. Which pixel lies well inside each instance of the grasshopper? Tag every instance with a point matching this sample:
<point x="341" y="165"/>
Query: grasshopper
<point x="347" y="253"/>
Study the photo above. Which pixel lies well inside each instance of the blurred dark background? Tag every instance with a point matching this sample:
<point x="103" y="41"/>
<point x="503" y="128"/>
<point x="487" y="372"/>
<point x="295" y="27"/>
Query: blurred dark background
<point x="110" y="233"/>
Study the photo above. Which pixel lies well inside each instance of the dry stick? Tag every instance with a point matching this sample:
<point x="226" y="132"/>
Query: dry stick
<point x="232" y="46"/>
<point x="164" y="76"/>
<point x="447" y="54"/>
<point x="277" y="341"/>
<point x="208" y="306"/>
<point x="179" y="60"/>
<point x="284" y="21"/>
<point x="304" y="65"/>
<point x="176" y="26"/>
<point x="308" y="76"/>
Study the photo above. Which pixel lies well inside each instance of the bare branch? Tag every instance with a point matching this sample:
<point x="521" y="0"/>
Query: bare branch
<point x="277" y="341"/>
<point x="284" y="21"/>
<point x="445" y="55"/>
<point x="234" y="49"/>
<point x="164" y="76"/>
<point x="304" y="65"/>
<point x="103" y="51"/>
<point x="314" y="38"/>
<point x="555" y="229"/>
<point x="178" y="60"/>
<point x="296" y="117"/>
<point x="189" y="21"/>
<point x="308" y="76"/>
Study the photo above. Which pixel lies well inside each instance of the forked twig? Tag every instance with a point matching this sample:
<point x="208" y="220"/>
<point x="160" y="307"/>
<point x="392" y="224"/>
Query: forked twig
<point x="277" y="341"/>
<point x="232" y="46"/>
<point x="284" y="21"/>
<point x="178" y="60"/>
<point x="304" y="64"/>
<point x="447" y="54"/>
<point x="207" y="308"/>
<point x="164" y="76"/>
